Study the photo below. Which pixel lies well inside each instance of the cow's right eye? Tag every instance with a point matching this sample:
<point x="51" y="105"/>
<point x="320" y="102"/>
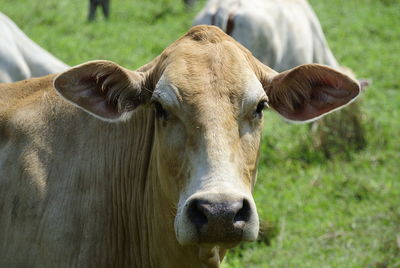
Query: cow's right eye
<point x="260" y="107"/>
<point x="160" y="111"/>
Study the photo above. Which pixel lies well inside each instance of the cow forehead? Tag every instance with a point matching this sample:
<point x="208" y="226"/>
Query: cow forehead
<point x="213" y="62"/>
<point x="206" y="71"/>
<point x="203" y="68"/>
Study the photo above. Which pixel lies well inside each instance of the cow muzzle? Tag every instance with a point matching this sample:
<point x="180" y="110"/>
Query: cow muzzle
<point x="217" y="219"/>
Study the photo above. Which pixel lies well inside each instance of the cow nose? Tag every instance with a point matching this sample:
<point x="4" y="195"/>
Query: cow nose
<point x="201" y="212"/>
<point x="219" y="220"/>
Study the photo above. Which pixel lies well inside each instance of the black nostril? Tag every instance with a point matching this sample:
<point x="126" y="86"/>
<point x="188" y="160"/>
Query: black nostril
<point x="196" y="214"/>
<point x="243" y="215"/>
<point x="204" y="214"/>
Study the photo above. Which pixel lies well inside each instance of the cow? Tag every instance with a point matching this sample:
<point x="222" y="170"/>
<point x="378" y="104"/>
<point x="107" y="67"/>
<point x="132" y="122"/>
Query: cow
<point x="20" y="57"/>
<point x="280" y="33"/>
<point x="93" y="4"/>
<point x="189" y="3"/>
<point x="104" y="166"/>
<point x="284" y="34"/>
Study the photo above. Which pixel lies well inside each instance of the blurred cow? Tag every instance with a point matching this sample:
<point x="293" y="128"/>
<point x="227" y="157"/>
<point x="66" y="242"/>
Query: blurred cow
<point x="189" y="3"/>
<point x="280" y="33"/>
<point x="284" y="34"/>
<point x="20" y="57"/>
<point x="93" y="4"/>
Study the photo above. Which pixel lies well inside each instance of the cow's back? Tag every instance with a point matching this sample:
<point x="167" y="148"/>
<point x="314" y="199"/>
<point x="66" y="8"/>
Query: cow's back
<point x="16" y="94"/>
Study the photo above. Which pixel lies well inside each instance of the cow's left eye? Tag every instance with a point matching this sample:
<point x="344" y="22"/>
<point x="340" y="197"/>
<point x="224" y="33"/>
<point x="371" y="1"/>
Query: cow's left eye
<point x="260" y="107"/>
<point x="160" y="111"/>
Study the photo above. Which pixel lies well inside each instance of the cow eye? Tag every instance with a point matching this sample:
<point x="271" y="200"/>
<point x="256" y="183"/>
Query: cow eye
<point x="260" y="107"/>
<point x="160" y="112"/>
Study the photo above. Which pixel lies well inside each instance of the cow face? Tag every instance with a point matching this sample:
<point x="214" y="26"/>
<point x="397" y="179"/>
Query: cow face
<point x="209" y="106"/>
<point x="208" y="94"/>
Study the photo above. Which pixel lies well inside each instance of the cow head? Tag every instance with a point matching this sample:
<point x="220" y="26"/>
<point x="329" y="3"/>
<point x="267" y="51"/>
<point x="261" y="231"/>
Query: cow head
<point x="208" y="94"/>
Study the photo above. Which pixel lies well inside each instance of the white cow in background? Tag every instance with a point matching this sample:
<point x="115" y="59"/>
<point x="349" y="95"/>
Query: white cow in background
<point x="280" y="33"/>
<point x="284" y="34"/>
<point x="20" y="57"/>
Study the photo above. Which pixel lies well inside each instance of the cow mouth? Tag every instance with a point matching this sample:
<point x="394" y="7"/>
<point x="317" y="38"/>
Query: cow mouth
<point x="214" y="235"/>
<point x="211" y="256"/>
<point x="221" y="245"/>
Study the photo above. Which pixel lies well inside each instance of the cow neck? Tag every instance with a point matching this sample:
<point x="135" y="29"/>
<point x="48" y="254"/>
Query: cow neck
<point x="104" y="184"/>
<point x="140" y="226"/>
<point x="121" y="161"/>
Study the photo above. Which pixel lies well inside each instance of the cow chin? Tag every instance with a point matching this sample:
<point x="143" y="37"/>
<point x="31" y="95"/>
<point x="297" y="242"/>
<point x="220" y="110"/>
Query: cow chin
<point x="210" y="219"/>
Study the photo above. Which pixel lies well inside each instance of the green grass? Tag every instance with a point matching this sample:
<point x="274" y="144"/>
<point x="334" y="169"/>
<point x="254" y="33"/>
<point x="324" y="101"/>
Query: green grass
<point x="342" y="212"/>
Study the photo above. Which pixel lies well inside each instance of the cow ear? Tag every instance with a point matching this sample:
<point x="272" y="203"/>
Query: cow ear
<point x="102" y="88"/>
<point x="309" y="91"/>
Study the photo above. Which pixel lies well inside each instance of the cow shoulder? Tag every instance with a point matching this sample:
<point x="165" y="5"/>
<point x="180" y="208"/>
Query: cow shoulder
<point x="15" y="95"/>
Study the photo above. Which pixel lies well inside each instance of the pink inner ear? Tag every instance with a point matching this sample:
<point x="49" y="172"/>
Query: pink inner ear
<point x="101" y="88"/>
<point x="98" y="105"/>
<point x="322" y="101"/>
<point x="89" y="94"/>
<point x="311" y="91"/>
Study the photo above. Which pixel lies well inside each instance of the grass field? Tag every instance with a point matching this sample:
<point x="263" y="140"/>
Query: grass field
<point x="342" y="212"/>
